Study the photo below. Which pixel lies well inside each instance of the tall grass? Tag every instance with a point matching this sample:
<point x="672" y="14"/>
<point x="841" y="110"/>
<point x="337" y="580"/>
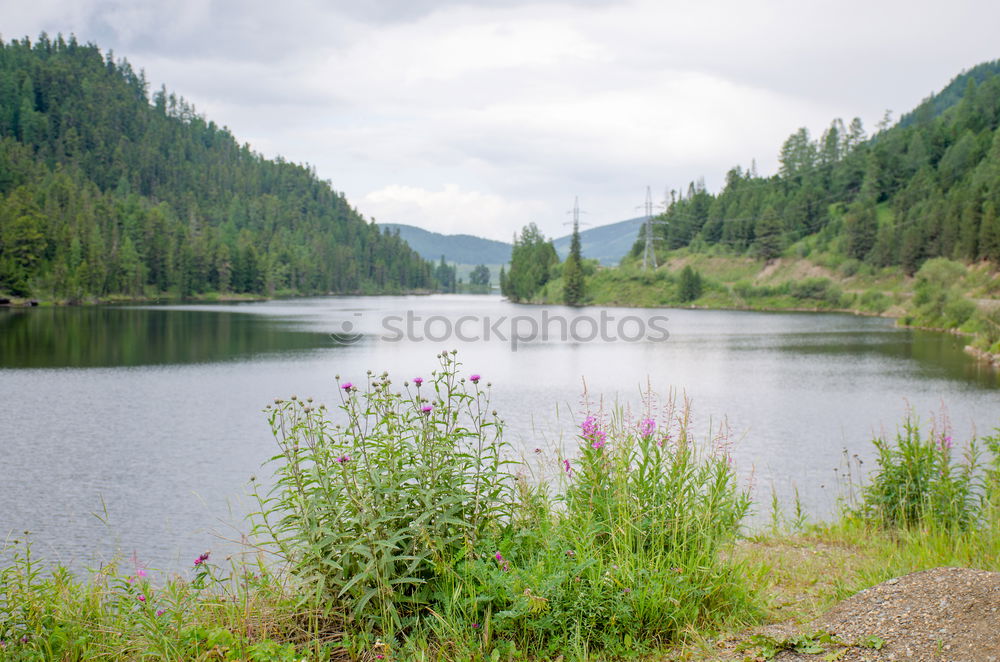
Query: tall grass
<point x="919" y="481"/>
<point x="410" y="515"/>
<point x="374" y="514"/>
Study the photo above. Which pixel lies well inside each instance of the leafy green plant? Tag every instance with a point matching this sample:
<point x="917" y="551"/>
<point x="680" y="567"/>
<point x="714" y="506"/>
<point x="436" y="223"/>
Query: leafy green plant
<point x="375" y="513"/>
<point x="768" y="647"/>
<point x="918" y="481"/>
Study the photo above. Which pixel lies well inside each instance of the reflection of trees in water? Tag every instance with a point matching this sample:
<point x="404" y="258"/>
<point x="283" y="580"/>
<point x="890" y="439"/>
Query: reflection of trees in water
<point x="91" y="337"/>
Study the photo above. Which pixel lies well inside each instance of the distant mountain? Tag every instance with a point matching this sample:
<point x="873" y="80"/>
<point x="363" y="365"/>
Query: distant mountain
<point x="606" y="243"/>
<point x="456" y="248"/>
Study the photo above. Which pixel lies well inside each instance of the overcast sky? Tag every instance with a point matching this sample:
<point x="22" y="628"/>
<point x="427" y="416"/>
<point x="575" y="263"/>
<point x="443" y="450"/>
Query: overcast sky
<point x="479" y="116"/>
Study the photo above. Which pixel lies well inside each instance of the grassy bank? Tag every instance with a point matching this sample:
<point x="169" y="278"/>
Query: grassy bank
<point x="943" y="295"/>
<point x="409" y="530"/>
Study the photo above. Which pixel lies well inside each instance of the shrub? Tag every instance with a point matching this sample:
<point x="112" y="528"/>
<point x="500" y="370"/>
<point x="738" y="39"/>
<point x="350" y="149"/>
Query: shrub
<point x="633" y="554"/>
<point x="874" y="301"/>
<point x="407" y="516"/>
<point x="375" y="513"/>
<point x="817" y="289"/>
<point x="918" y="482"/>
<point x="689" y="285"/>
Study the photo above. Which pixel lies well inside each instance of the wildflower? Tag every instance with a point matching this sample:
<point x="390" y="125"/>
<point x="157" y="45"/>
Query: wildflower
<point x="426" y="409"/>
<point x="568" y="468"/>
<point x="627" y="590"/>
<point x="161" y="612"/>
<point x="142" y="597"/>
<point x="591" y="432"/>
<point x="474" y="379"/>
<point x="538" y="450"/>
<point x="346" y="386"/>
<point x="418" y="381"/>
<point x="201" y="559"/>
<point x="647" y="427"/>
<point x="475" y="626"/>
<point x="946" y="443"/>
<point x="570" y="553"/>
<point x="498" y="556"/>
<point x="344" y="459"/>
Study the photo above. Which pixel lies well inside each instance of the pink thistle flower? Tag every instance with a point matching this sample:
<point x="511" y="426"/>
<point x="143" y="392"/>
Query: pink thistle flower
<point x="346" y="386"/>
<point x="475" y="379"/>
<point x="344" y="459"/>
<point x="418" y="381"/>
<point x="201" y="559"/>
<point x="426" y="409"/>
<point x="142" y="597"/>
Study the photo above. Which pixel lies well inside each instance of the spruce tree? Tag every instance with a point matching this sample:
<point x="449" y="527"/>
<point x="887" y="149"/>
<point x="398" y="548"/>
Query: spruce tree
<point x="573" y="281"/>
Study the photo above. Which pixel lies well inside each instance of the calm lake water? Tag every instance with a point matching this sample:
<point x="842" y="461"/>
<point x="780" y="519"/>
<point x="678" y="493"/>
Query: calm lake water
<point x="137" y="428"/>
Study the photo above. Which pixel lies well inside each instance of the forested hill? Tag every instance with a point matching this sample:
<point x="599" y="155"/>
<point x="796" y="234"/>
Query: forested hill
<point x="927" y="187"/>
<point x="106" y="189"/>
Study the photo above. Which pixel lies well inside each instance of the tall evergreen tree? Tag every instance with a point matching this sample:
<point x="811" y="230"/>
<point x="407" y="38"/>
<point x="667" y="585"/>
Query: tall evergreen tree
<point x="572" y="273"/>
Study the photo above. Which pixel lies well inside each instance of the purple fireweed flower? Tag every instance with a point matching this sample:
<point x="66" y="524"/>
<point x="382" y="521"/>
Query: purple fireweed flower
<point x="346" y="386"/>
<point x="161" y="612"/>
<point x="647" y="427"/>
<point x="946" y="443"/>
<point x="591" y="432"/>
<point x="475" y="379"/>
<point x="568" y="468"/>
<point x="418" y="380"/>
<point x="426" y="409"/>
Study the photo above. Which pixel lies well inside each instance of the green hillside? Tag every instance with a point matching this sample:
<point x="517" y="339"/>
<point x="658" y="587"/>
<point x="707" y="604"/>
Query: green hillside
<point x="456" y="248"/>
<point x="107" y="190"/>
<point x="607" y="244"/>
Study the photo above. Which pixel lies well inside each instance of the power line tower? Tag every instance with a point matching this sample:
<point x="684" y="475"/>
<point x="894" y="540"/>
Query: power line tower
<point x="648" y="252"/>
<point x="576" y="214"/>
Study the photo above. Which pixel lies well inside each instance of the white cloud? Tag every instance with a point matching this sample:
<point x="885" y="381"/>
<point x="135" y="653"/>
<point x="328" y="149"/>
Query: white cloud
<point x="449" y="210"/>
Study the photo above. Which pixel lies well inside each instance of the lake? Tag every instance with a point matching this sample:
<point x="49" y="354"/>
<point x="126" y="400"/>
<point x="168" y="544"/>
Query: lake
<point x="137" y="428"/>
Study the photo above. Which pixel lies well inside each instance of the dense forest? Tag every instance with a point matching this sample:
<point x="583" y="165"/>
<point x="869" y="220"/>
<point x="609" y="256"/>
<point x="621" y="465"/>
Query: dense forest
<point x="927" y="187"/>
<point x="108" y="190"/>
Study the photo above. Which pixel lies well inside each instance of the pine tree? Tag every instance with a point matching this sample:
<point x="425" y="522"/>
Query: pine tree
<point x="573" y="280"/>
<point x="989" y="233"/>
<point x="768" y="242"/>
<point x="689" y="285"/>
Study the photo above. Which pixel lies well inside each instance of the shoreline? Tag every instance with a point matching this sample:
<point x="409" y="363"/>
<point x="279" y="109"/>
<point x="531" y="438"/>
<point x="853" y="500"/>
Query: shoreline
<point x="992" y="360"/>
